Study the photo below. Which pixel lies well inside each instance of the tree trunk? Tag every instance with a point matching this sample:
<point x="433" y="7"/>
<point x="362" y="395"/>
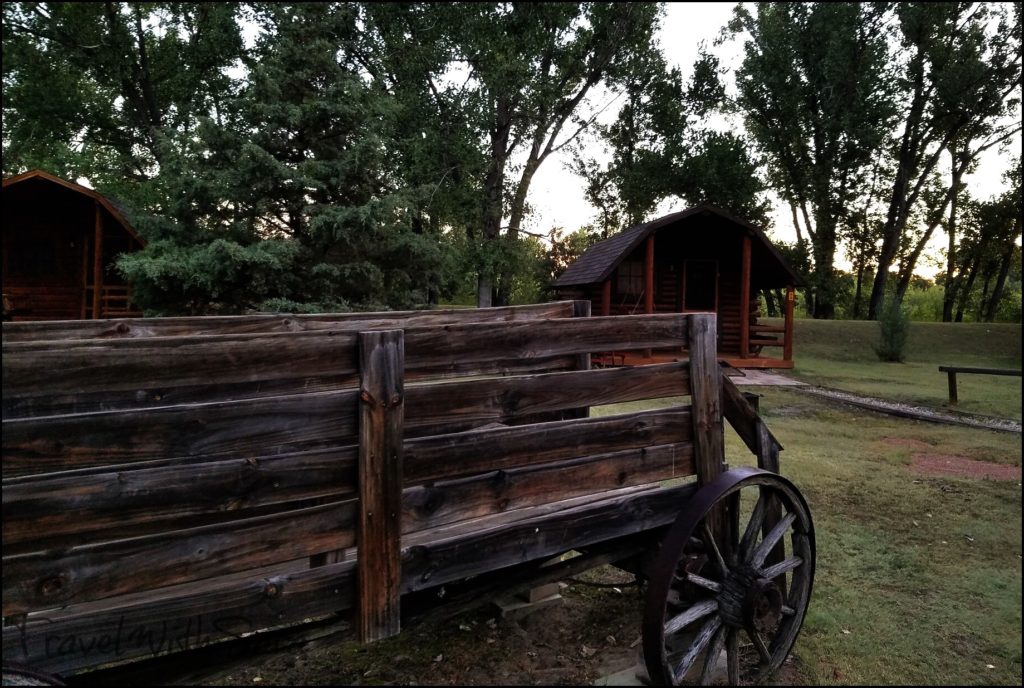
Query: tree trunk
<point x="949" y="294"/>
<point x="997" y="293"/>
<point x="858" y="294"/>
<point x="494" y="184"/>
<point x="965" y="292"/>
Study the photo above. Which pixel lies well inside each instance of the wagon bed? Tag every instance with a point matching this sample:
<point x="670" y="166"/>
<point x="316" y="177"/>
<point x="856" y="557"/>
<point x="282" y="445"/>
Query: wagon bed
<point x="171" y="483"/>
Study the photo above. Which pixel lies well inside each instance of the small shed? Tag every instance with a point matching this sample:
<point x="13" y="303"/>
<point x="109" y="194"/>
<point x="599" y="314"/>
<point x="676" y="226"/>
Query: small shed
<point x="60" y="240"/>
<point x="697" y="260"/>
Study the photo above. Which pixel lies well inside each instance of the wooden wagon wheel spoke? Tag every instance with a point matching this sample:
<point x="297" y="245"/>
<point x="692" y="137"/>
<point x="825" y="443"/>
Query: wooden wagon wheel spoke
<point x="776" y="570"/>
<point x="704" y="582"/>
<point x="749" y="538"/>
<point x="711" y="658"/>
<point x="713" y="546"/>
<point x="708" y="586"/>
<point x="732" y="651"/>
<point x="697" y="611"/>
<point x="770" y="540"/>
<point x="759" y="645"/>
<point x="707" y="631"/>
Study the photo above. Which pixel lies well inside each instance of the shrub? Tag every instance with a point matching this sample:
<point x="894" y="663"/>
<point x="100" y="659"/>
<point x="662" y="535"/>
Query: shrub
<point x="894" y="326"/>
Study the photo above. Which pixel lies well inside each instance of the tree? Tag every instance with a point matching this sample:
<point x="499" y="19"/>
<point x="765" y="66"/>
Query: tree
<point x="288" y="198"/>
<point x="817" y="101"/>
<point x="959" y="82"/>
<point x="109" y="90"/>
<point x="525" y="74"/>
<point x="659" y="150"/>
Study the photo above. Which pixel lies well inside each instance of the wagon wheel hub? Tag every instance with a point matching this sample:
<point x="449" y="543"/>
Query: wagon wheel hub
<point x="762" y="607"/>
<point x="749" y="601"/>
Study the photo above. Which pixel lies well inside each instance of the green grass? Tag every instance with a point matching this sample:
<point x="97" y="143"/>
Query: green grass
<point x="839" y="354"/>
<point x="922" y="603"/>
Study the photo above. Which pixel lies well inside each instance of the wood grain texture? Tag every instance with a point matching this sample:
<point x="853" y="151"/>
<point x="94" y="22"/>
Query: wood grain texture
<point x="382" y="365"/>
<point x="705" y="388"/>
<point x="451" y="553"/>
<point x="450" y="501"/>
<point x="45" y="579"/>
<point x="485" y="347"/>
<point x="457" y="406"/>
<point x="258" y="324"/>
<point x="175" y="619"/>
<point x="242" y="429"/>
<point x="481" y="451"/>
<point x="115" y="503"/>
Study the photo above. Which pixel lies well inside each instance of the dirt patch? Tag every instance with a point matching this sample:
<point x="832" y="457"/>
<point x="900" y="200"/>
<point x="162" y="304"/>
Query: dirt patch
<point x="948" y="464"/>
<point x="593" y="633"/>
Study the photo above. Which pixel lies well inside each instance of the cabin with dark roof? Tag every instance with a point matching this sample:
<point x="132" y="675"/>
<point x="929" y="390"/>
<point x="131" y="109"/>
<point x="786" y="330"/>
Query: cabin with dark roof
<point x="60" y="240"/>
<point x="697" y="260"/>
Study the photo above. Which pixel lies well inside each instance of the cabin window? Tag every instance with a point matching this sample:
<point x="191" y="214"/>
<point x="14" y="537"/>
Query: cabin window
<point x="631" y="278"/>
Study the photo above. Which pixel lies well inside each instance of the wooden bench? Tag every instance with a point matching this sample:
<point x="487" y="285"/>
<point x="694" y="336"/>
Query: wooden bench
<point x="216" y="477"/>
<point x="951" y="372"/>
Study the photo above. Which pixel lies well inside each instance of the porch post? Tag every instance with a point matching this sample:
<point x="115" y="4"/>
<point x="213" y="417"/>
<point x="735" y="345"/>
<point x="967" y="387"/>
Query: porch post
<point x="97" y="265"/>
<point x="649" y="276"/>
<point x="606" y="297"/>
<point x="745" y="299"/>
<point x="787" y="341"/>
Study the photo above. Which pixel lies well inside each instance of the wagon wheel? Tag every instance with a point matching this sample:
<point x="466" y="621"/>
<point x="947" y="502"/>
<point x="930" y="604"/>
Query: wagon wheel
<point x="709" y="593"/>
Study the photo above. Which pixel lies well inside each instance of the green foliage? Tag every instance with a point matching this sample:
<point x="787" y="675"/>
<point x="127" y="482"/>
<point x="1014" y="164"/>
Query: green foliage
<point x="893" y="329"/>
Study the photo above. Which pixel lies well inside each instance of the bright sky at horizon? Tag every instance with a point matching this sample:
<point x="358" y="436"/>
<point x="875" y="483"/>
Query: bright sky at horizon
<point x="557" y="195"/>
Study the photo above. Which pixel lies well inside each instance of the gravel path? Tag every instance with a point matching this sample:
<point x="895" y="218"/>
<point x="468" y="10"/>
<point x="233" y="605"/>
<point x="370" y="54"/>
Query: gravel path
<point x="897" y="408"/>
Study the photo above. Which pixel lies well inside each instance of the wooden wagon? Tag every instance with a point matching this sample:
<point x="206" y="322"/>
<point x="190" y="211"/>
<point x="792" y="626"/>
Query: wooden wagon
<point x="171" y="483"/>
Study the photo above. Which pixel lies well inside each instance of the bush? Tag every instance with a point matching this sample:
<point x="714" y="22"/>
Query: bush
<point x="894" y="326"/>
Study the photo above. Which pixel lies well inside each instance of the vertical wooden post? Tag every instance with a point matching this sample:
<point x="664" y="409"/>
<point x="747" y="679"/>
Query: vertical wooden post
<point x="706" y="413"/>
<point x="787" y="342"/>
<point x="381" y="416"/>
<point x="580" y="309"/>
<point x="97" y="265"/>
<point x="705" y="383"/>
<point x="649" y="276"/>
<point x="745" y="299"/>
<point x="85" y="273"/>
<point x="951" y="383"/>
<point x="606" y="297"/>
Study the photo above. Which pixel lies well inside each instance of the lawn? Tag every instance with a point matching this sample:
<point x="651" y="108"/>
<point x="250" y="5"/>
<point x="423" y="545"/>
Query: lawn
<point x="838" y="353"/>
<point x="918" y="577"/>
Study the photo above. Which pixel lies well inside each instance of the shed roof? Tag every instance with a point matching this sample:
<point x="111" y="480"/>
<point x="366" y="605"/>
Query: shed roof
<point x="597" y="263"/>
<point x="116" y="209"/>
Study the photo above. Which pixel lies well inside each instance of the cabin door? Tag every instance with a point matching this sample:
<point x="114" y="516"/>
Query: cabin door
<point x="700" y="285"/>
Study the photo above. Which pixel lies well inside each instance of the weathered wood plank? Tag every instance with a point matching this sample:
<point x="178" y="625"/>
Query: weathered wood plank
<point x="481" y="451"/>
<point x="255" y="324"/>
<point x="456" y="406"/>
<point x="247" y="428"/>
<point x="165" y="621"/>
<point x="382" y="364"/>
<point x="705" y="389"/>
<point x="446" y="554"/>
<point x="457" y="347"/>
<point x="708" y="435"/>
<point x="444" y="502"/>
<point x="145" y="367"/>
<point x="127" y="503"/>
<point x="45" y="579"/>
<point x="744" y="419"/>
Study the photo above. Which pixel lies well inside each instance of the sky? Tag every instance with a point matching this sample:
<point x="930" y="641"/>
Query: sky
<point x="557" y="195"/>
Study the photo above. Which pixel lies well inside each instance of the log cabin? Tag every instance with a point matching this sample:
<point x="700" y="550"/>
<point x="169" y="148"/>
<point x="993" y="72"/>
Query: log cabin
<point x="696" y="260"/>
<point x="60" y="240"/>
